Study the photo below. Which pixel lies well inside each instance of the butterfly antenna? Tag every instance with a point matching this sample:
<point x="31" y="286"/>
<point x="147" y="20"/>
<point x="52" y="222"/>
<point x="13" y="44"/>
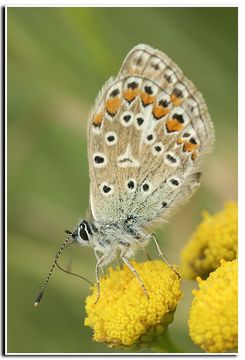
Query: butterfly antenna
<point x="40" y="295"/>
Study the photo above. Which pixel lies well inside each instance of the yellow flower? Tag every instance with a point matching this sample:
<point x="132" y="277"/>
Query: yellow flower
<point x="124" y="315"/>
<point x="213" y="316"/>
<point x="214" y="239"/>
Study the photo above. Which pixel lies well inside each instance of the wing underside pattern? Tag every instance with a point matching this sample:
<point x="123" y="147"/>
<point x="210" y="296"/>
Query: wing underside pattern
<point x="148" y="133"/>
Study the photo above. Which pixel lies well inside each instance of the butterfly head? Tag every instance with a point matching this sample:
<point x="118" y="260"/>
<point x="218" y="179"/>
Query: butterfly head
<point x="82" y="233"/>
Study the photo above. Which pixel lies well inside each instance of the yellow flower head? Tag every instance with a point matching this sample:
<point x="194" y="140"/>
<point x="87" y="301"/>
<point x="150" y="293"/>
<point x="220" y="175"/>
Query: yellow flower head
<point x="214" y="239"/>
<point x="213" y="316"/>
<point x="123" y="315"/>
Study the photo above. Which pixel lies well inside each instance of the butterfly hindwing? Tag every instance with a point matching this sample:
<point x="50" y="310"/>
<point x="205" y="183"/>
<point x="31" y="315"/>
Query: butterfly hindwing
<point x="148" y="133"/>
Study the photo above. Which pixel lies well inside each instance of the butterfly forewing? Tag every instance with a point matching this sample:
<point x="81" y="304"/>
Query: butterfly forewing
<point x="148" y="132"/>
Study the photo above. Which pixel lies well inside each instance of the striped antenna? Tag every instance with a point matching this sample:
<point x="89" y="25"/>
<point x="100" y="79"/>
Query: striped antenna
<point x="40" y="295"/>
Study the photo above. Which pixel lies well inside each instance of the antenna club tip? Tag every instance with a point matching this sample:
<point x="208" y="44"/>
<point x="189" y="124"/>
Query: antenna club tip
<point x="38" y="299"/>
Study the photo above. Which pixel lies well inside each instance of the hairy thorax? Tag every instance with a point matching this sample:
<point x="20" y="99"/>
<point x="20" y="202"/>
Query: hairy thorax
<point x="117" y="237"/>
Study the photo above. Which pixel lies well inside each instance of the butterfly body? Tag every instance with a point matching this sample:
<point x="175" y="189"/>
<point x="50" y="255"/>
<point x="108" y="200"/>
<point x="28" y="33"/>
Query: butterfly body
<point x="111" y="238"/>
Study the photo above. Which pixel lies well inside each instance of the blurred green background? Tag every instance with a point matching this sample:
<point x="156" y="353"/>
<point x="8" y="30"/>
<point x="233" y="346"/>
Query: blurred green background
<point x="58" y="59"/>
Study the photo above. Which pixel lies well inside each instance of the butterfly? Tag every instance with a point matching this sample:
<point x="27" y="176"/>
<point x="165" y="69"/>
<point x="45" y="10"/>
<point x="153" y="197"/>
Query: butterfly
<point x="148" y="134"/>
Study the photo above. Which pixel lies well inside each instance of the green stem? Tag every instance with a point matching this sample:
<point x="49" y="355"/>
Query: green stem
<point x="165" y="344"/>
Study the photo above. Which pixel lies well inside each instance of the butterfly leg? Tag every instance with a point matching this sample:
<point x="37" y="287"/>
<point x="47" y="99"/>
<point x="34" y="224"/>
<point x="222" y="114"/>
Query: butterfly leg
<point x="97" y="268"/>
<point x="97" y="258"/>
<point x="163" y="257"/>
<point x="131" y="267"/>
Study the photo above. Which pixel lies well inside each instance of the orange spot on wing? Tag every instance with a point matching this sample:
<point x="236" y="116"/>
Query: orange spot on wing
<point x="175" y="100"/>
<point x="147" y="99"/>
<point x="189" y="146"/>
<point x="159" y="111"/>
<point x="98" y="119"/>
<point x="174" y="125"/>
<point x="130" y="94"/>
<point x="112" y="105"/>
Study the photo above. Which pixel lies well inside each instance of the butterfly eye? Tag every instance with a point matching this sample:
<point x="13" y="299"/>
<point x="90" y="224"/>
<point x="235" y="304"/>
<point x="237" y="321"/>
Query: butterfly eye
<point x="83" y="233"/>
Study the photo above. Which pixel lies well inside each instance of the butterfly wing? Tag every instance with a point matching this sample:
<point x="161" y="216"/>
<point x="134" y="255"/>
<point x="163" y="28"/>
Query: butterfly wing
<point x="148" y="133"/>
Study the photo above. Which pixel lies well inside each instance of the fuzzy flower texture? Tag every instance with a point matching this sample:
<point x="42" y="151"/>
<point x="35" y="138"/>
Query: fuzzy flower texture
<point x="213" y="320"/>
<point x="214" y="239"/>
<point x="123" y="315"/>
